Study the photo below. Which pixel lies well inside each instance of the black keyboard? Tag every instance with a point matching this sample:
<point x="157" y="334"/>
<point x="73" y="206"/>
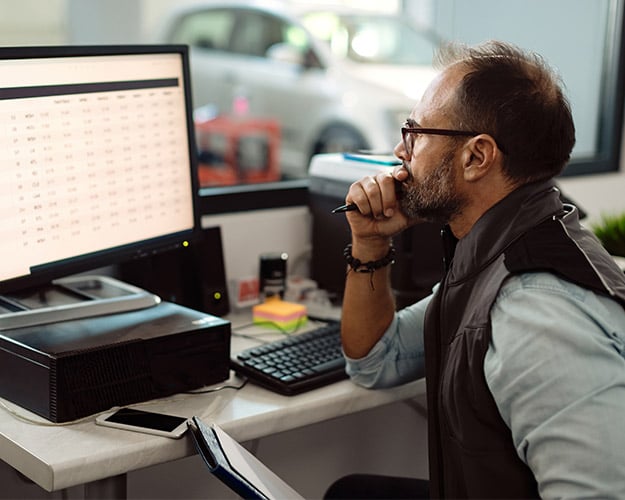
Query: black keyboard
<point x="297" y="363"/>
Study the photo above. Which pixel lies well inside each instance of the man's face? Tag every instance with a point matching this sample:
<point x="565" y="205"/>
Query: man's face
<point x="432" y="193"/>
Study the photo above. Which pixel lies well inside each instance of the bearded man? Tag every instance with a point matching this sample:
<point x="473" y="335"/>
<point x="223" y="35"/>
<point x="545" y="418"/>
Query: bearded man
<point x="522" y="343"/>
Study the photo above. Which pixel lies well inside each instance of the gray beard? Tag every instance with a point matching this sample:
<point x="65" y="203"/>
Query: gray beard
<point x="434" y="198"/>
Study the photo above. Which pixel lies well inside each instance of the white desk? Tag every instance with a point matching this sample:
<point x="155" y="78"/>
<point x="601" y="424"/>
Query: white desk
<point x="60" y="457"/>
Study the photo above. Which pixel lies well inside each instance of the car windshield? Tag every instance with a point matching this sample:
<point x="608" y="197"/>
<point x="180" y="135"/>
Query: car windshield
<point x="372" y="39"/>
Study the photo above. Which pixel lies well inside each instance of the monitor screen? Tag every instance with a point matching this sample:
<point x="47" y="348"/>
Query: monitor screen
<point x="97" y="158"/>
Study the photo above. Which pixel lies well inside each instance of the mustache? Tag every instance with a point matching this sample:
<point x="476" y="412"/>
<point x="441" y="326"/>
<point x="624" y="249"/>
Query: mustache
<point x="406" y="166"/>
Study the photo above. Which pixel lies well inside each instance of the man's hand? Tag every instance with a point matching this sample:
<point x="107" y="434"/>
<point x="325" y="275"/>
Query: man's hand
<point x="379" y="215"/>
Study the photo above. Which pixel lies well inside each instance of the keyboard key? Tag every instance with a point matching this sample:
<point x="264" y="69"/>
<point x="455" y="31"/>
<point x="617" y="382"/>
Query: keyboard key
<point x="329" y="366"/>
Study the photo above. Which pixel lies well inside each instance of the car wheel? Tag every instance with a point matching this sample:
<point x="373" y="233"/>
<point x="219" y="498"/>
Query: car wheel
<point x="338" y="139"/>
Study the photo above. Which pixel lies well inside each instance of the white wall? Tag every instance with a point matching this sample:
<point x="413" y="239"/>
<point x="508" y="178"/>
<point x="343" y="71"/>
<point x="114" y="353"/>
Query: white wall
<point x="246" y="235"/>
<point x="600" y="194"/>
<point x="597" y="194"/>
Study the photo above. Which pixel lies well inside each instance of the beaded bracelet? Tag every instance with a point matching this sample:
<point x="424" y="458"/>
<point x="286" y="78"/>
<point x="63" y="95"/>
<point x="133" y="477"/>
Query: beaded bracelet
<point x="368" y="267"/>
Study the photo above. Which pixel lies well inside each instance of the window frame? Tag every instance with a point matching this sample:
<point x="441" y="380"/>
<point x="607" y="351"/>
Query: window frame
<point x="610" y="130"/>
<point x="245" y="197"/>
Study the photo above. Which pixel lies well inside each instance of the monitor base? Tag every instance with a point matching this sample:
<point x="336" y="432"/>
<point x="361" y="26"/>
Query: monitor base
<point x="71" y="298"/>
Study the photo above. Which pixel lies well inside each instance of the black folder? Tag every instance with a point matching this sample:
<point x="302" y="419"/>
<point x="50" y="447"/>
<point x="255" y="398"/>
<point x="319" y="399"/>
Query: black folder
<point x="235" y="466"/>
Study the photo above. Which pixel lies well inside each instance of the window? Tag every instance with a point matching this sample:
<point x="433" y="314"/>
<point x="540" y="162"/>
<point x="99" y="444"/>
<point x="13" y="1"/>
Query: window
<point x="256" y="33"/>
<point x="275" y="71"/>
<point x="373" y="39"/>
<point x="582" y="38"/>
<point x="205" y="30"/>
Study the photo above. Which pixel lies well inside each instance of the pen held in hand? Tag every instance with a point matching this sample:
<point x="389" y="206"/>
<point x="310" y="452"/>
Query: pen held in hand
<point x="345" y="208"/>
<point x="350" y="207"/>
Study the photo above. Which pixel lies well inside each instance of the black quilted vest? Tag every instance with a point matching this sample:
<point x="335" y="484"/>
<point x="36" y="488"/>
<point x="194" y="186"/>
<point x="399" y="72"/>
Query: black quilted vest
<point x="471" y="449"/>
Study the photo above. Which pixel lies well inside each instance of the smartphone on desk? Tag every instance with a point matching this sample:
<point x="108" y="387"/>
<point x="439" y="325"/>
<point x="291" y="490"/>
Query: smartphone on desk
<point x="131" y="419"/>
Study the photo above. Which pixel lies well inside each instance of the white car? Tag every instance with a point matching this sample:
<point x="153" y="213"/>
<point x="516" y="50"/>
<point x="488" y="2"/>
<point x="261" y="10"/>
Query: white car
<point x="348" y="87"/>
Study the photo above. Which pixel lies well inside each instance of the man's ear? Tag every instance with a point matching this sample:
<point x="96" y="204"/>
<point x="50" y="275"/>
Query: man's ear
<point x="479" y="156"/>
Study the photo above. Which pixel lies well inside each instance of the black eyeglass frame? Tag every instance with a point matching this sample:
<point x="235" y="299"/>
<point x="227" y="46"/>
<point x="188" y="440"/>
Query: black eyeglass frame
<point x="433" y="131"/>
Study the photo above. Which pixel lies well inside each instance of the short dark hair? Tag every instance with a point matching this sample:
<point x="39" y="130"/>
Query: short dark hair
<point x="514" y="96"/>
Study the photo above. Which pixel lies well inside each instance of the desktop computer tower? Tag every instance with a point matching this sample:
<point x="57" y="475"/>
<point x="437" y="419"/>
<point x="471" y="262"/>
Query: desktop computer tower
<point x="68" y="370"/>
<point x="192" y="276"/>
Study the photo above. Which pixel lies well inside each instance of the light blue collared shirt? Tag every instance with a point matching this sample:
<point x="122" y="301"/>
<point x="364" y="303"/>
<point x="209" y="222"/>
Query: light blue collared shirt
<point x="556" y="369"/>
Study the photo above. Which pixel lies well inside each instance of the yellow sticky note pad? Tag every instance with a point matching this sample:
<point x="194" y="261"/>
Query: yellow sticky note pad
<point x="285" y="315"/>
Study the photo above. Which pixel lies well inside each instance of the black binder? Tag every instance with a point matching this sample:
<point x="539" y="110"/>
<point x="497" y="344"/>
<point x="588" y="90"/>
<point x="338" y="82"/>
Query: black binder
<point x="232" y="464"/>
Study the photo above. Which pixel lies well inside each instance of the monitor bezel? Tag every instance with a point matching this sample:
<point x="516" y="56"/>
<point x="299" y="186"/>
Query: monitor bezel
<point x="46" y="274"/>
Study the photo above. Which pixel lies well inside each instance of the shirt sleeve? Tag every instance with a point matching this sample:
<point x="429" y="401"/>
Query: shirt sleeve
<point x="397" y="357"/>
<point x="556" y="369"/>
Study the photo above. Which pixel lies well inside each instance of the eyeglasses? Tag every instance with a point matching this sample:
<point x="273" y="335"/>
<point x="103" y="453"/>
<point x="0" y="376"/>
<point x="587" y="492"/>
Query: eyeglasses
<point x="409" y="134"/>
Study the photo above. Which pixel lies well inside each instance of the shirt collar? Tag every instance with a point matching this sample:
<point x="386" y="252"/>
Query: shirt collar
<point x="502" y="224"/>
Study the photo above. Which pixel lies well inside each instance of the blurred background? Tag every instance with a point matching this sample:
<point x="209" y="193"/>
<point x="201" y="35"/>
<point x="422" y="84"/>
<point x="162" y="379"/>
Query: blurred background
<point x="277" y="81"/>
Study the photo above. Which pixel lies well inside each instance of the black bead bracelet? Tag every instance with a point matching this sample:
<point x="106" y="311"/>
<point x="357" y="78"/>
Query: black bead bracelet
<point x="372" y="265"/>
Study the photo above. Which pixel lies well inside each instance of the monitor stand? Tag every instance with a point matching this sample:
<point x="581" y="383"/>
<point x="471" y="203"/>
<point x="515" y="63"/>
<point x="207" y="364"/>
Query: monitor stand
<point x="71" y="298"/>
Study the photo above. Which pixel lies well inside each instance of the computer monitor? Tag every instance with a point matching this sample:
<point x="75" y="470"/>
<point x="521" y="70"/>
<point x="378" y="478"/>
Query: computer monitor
<point x="97" y="158"/>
